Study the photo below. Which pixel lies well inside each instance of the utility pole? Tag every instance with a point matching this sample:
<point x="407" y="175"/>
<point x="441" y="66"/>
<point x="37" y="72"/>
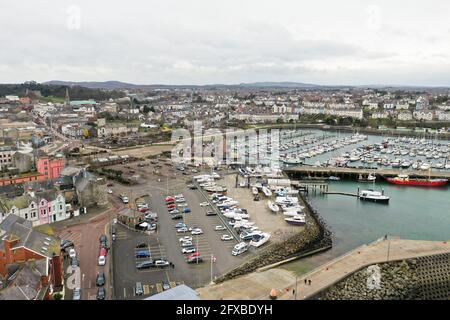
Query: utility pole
<point x="296" y="281"/>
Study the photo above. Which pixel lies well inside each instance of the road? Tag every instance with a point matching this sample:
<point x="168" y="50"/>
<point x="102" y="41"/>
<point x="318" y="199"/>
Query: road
<point x="85" y="236"/>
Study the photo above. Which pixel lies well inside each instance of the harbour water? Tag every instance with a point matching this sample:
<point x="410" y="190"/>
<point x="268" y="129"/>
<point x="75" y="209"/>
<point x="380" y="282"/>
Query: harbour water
<point x="412" y="213"/>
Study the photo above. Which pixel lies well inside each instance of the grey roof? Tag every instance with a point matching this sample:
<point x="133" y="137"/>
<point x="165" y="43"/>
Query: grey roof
<point x="181" y="292"/>
<point x="15" y="226"/>
<point x="25" y="285"/>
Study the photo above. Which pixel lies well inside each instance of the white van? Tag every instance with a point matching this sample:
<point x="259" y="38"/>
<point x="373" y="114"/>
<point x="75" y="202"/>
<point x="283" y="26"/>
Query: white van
<point x="240" y="248"/>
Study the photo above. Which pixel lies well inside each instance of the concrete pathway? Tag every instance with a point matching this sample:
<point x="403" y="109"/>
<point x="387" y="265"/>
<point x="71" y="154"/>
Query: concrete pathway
<point x="257" y="285"/>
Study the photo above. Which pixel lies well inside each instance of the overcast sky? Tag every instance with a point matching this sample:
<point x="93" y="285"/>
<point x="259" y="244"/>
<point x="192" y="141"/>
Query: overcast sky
<point x="232" y="41"/>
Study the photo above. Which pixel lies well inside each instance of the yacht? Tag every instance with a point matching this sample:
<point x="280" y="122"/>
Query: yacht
<point x="260" y="239"/>
<point x="297" y="220"/>
<point x="273" y="207"/>
<point x="374" y="196"/>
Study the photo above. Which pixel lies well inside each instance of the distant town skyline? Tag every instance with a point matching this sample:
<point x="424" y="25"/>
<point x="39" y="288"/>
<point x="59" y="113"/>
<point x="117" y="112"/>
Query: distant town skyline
<point x="209" y="42"/>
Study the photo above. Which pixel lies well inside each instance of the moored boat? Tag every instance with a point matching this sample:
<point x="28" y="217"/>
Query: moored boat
<point x="404" y="179"/>
<point x="374" y="196"/>
<point x="297" y="220"/>
<point x="273" y="207"/>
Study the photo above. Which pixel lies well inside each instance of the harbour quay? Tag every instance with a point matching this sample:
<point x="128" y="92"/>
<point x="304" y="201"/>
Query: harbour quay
<point x="354" y="173"/>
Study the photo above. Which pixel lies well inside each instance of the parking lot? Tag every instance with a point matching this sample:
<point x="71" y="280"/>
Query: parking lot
<point x="165" y="244"/>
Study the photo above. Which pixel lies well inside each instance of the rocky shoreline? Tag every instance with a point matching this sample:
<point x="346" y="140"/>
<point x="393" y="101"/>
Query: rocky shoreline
<point x="315" y="236"/>
<point x="424" y="278"/>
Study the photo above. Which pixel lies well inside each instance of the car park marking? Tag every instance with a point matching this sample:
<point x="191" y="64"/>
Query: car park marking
<point x="146" y="289"/>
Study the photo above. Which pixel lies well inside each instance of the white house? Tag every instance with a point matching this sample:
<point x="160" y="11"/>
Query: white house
<point x="423" y="115"/>
<point x="404" y="116"/>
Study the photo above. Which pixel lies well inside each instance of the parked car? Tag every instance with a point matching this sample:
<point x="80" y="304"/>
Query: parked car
<point x="195" y="254"/>
<point x="226" y="237"/>
<point x="219" y="228"/>
<point x="101" y="260"/>
<point x="165" y="285"/>
<point x="66" y="244"/>
<point x="143" y="254"/>
<point x="177" y="217"/>
<point x="195" y="260"/>
<point x="76" y="294"/>
<point x="110" y="184"/>
<point x="174" y="211"/>
<point x="182" y="230"/>
<point x="142" y="245"/>
<point x="75" y="262"/>
<point x="100" y="280"/>
<point x="197" y="231"/>
<point x="204" y="204"/>
<point x="180" y="225"/>
<point x="161" y="263"/>
<point x="147" y="264"/>
<point x="188" y="250"/>
<point x="180" y="200"/>
<point x="171" y="206"/>
<point x="182" y="205"/>
<point x="72" y="253"/>
<point x="138" y="289"/>
<point x="186" y="244"/>
<point x="103" y="239"/>
<point x="101" y="293"/>
<point x="211" y="213"/>
<point x="192" y="187"/>
<point x="186" y="238"/>
<point x="186" y="210"/>
<point x="110" y="191"/>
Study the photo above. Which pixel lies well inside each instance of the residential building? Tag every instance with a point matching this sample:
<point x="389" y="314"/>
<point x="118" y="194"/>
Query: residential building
<point x="20" y="244"/>
<point x="50" y="167"/>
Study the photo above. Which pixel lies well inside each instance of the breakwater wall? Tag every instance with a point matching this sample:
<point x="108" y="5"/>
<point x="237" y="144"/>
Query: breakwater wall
<point x="424" y="278"/>
<point x="316" y="235"/>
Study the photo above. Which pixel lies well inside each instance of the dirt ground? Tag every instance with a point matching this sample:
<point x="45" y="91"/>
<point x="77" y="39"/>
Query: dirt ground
<point x="259" y="211"/>
<point x="142" y="152"/>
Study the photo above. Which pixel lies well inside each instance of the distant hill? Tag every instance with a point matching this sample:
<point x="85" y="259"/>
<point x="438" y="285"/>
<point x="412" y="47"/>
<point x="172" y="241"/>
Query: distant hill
<point x="118" y="85"/>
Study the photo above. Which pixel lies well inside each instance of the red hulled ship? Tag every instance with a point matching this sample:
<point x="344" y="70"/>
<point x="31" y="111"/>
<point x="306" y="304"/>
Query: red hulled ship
<point x="403" y="179"/>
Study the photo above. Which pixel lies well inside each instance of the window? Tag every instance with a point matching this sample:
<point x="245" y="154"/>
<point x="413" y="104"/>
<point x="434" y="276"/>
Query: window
<point x="60" y="207"/>
<point x="44" y="212"/>
<point x="33" y="214"/>
<point x="26" y="215"/>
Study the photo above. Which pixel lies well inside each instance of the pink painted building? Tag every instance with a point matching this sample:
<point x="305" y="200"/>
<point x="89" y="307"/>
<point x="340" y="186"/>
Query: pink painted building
<point x="44" y="211"/>
<point x="50" y="167"/>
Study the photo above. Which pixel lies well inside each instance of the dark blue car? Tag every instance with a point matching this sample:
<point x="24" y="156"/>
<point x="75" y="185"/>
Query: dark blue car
<point x="186" y="210"/>
<point x="143" y="254"/>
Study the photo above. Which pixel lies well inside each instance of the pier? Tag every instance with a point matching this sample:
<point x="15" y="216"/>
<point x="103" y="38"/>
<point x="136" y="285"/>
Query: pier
<point x="342" y="193"/>
<point x="257" y="285"/>
<point x="353" y="173"/>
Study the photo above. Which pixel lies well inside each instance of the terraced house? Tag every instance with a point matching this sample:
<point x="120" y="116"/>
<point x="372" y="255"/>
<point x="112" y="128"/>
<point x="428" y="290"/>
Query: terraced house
<point x="39" y="208"/>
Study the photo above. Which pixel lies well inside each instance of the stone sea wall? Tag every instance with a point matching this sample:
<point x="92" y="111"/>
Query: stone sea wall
<point x="424" y="278"/>
<point x="315" y="236"/>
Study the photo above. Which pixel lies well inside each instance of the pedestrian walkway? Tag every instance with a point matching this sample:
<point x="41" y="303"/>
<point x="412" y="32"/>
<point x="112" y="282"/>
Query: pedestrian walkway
<point x="258" y="285"/>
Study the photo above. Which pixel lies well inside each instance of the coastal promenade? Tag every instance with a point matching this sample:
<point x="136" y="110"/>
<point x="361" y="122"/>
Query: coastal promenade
<point x="258" y="285"/>
<point x="355" y="172"/>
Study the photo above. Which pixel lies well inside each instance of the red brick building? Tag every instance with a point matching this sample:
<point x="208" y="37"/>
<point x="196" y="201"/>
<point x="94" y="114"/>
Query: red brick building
<point x="20" y="244"/>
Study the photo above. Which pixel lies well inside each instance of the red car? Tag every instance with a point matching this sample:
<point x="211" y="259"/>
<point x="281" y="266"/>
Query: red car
<point x="195" y="254"/>
<point x="143" y="210"/>
<point x="110" y="184"/>
<point x="169" y="199"/>
<point x="171" y="206"/>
